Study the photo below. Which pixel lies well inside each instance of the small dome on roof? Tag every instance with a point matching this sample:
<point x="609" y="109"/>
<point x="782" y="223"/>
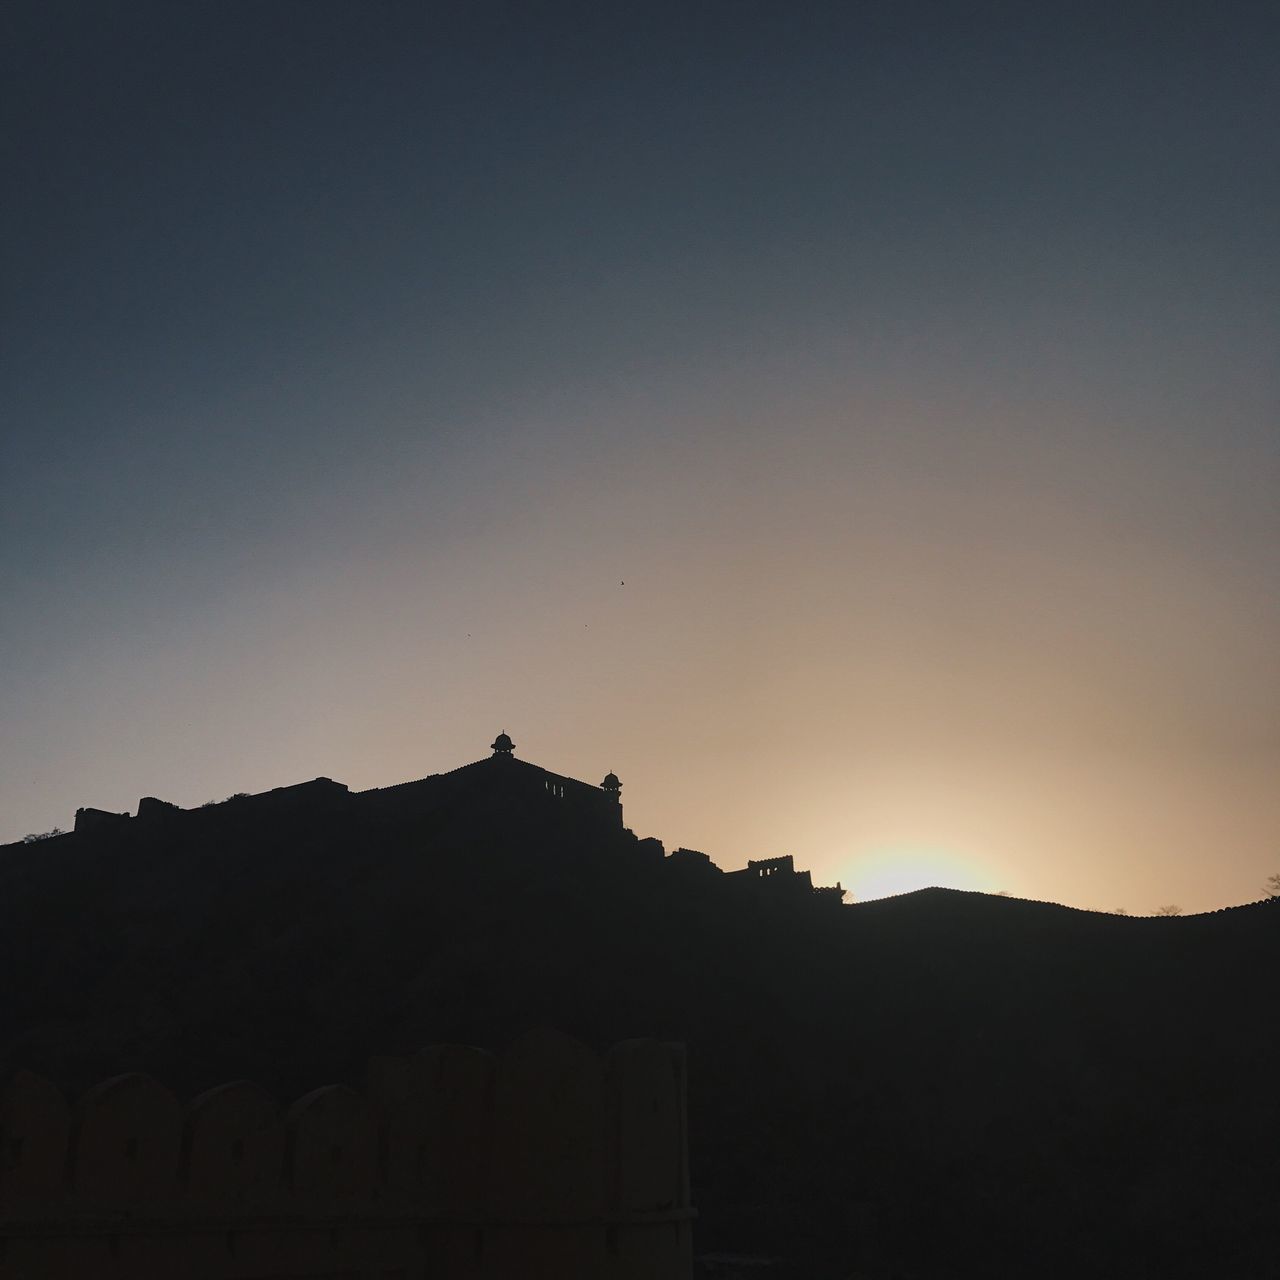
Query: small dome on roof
<point x="611" y="783"/>
<point x="502" y="745"/>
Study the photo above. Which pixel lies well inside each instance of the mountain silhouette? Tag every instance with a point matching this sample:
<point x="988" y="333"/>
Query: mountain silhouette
<point x="943" y="1084"/>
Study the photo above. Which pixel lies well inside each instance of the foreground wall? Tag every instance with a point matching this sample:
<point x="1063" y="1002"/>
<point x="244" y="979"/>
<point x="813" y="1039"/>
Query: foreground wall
<point x="549" y="1161"/>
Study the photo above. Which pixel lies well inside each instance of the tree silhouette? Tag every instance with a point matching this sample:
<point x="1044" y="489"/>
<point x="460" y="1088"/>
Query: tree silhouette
<point x="1171" y="910"/>
<point x="1273" y="886"/>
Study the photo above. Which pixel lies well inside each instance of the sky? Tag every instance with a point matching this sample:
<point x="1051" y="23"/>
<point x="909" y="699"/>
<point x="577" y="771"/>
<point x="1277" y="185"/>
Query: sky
<point x="856" y="425"/>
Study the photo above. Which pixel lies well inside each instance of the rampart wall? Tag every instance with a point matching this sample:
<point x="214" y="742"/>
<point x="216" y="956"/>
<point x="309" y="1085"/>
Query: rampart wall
<point x="498" y="778"/>
<point x="548" y="1161"/>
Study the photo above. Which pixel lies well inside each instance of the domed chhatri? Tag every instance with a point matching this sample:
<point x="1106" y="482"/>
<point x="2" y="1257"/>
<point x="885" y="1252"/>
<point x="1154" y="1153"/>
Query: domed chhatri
<point x="502" y="745"/>
<point x="611" y="784"/>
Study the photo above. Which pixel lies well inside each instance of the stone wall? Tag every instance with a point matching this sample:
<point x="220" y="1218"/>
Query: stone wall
<point x="548" y="1161"/>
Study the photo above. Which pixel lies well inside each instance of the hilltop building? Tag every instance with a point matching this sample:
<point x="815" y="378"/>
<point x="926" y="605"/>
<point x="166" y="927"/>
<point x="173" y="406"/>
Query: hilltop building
<point x="499" y="787"/>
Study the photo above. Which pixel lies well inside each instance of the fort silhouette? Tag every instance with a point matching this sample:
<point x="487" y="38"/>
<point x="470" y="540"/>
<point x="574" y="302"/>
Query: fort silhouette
<point x="939" y="1085"/>
<point x="500" y="784"/>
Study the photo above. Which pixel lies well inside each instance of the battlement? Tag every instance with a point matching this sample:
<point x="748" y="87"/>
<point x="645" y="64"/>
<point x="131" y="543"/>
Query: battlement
<point x="780" y="876"/>
<point x="549" y="1160"/>
<point x="772" y="866"/>
<point x="316" y="795"/>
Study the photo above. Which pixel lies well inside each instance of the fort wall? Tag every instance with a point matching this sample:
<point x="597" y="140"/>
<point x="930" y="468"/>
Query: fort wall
<point x="548" y="1161"/>
<point x="498" y="779"/>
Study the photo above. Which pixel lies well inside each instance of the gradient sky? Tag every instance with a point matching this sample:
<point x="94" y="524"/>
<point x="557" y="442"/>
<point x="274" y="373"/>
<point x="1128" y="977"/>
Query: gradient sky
<point x="917" y="366"/>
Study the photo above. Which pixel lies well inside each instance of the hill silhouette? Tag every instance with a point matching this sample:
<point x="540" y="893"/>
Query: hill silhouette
<point x="939" y="1085"/>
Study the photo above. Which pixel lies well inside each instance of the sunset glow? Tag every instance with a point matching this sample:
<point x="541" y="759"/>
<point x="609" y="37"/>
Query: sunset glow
<point x="891" y="872"/>
<point x="853" y="444"/>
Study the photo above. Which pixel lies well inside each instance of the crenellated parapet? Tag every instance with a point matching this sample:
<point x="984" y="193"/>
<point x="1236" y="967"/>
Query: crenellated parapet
<point x="548" y="1160"/>
<point x="781" y="879"/>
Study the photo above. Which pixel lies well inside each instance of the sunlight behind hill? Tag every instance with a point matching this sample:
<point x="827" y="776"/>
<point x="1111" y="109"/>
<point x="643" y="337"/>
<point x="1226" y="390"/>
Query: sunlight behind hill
<point x="886" y="873"/>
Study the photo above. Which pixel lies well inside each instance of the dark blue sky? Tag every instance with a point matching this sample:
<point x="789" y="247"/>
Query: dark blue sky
<point x="906" y="338"/>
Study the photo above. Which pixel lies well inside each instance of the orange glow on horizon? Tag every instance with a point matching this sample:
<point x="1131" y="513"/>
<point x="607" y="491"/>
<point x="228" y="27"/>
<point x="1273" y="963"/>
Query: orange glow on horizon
<point x="890" y="872"/>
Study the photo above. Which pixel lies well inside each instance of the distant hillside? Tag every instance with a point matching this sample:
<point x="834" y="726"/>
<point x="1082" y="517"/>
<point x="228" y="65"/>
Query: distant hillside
<point x="942" y="1084"/>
